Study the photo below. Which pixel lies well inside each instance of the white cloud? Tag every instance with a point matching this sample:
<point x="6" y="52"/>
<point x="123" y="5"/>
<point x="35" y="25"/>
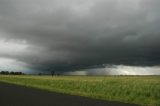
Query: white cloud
<point x="8" y="64"/>
<point x="12" y="47"/>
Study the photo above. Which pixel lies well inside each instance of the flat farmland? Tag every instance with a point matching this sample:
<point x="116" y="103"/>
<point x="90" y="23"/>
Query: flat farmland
<point x="142" y="90"/>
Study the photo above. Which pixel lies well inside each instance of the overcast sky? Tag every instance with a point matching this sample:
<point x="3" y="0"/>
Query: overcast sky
<point x="68" y="35"/>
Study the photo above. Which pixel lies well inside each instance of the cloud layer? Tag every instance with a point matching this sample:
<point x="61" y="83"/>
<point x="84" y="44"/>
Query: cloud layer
<point x="118" y="70"/>
<point x="75" y="34"/>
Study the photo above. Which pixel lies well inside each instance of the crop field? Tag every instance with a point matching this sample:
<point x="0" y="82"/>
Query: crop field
<point x="143" y="90"/>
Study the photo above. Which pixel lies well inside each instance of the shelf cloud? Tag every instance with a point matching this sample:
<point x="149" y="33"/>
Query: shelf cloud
<point x="118" y="70"/>
<point x="63" y="36"/>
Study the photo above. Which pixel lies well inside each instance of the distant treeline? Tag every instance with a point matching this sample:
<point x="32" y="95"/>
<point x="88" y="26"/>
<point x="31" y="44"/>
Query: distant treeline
<point x="11" y="73"/>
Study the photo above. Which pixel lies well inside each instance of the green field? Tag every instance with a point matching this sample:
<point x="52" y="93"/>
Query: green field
<point x="143" y="90"/>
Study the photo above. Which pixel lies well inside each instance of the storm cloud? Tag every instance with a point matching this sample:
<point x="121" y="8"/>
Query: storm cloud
<point x="70" y="35"/>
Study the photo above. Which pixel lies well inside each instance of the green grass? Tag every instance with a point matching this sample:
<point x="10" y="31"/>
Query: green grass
<point x="143" y="90"/>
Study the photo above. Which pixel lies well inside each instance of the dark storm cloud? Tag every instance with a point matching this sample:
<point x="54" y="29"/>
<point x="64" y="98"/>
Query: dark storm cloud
<point x="74" y="34"/>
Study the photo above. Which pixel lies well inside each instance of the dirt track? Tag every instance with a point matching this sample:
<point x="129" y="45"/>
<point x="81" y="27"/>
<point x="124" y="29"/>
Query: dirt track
<point x="13" y="95"/>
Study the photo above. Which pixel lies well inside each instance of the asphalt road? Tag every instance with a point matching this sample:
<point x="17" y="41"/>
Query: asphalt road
<point x="13" y="95"/>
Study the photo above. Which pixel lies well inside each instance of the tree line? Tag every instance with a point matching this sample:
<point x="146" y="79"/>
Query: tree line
<point x="11" y="73"/>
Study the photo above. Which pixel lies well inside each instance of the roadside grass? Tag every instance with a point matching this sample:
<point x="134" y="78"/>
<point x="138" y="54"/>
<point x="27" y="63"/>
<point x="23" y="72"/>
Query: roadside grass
<point x="142" y="90"/>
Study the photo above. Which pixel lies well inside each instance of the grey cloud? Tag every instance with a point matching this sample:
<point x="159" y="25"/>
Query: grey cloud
<point x="74" y="34"/>
<point x="118" y="70"/>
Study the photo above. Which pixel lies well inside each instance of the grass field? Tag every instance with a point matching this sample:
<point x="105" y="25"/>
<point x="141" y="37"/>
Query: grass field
<point x="143" y="90"/>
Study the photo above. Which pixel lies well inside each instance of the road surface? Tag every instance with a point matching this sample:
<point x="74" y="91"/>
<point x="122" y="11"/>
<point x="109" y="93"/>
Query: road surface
<point x="13" y="95"/>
